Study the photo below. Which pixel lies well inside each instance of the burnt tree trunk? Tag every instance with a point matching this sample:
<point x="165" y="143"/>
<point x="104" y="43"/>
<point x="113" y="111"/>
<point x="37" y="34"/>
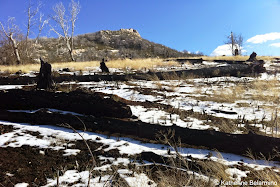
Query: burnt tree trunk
<point x="45" y="76"/>
<point x="70" y="50"/>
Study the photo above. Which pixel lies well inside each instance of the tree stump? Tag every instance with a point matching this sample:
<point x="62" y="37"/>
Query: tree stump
<point x="257" y="66"/>
<point x="103" y="66"/>
<point x="253" y="57"/>
<point x="236" y="52"/>
<point x="45" y="76"/>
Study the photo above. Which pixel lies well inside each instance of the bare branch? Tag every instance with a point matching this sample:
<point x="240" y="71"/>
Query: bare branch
<point x="4" y="30"/>
<point x="41" y="25"/>
<point x="60" y="18"/>
<point x="53" y="29"/>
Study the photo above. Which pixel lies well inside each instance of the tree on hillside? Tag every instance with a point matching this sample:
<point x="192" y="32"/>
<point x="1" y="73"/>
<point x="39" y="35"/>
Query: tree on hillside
<point x="236" y="42"/>
<point x="65" y="22"/>
<point x="11" y="33"/>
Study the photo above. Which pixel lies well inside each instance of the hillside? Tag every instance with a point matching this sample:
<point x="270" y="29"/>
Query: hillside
<point x="123" y="43"/>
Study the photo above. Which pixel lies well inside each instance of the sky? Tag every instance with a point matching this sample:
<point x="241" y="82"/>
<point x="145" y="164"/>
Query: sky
<point x="192" y="25"/>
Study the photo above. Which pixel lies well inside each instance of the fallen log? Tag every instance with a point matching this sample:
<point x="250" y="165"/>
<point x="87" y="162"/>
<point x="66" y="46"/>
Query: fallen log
<point x="203" y="139"/>
<point x="226" y="70"/>
<point x="76" y="101"/>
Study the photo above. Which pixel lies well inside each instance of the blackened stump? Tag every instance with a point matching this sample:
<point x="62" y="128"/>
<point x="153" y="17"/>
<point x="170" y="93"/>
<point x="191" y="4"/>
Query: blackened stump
<point x="236" y="52"/>
<point x="253" y="57"/>
<point x="103" y="67"/>
<point x="45" y="76"/>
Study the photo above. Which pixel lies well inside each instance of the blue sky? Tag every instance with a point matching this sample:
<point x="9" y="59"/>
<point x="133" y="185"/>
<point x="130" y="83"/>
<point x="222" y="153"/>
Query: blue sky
<point x="193" y="25"/>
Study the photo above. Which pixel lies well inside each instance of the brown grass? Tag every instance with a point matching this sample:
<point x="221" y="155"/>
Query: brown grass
<point x="266" y="90"/>
<point x="258" y="90"/>
<point x="137" y="64"/>
<point x="234" y="58"/>
<point x="148" y="63"/>
<point x="226" y="95"/>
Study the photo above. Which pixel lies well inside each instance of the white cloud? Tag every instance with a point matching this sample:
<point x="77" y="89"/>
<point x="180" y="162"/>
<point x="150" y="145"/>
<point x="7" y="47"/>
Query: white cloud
<point x="224" y="50"/>
<point x="258" y="39"/>
<point x="275" y="45"/>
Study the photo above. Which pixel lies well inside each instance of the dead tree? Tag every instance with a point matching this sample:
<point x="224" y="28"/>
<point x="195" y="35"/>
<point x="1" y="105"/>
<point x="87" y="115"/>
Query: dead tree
<point x="9" y="33"/>
<point x="236" y="42"/>
<point x="62" y="20"/>
<point x="44" y="78"/>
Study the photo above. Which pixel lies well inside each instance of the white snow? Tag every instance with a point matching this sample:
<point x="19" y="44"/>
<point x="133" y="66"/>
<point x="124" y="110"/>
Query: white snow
<point x="21" y="184"/>
<point x="48" y="110"/>
<point x="69" y="152"/>
<point x="156" y="116"/>
<point x="236" y="174"/>
<point x="139" y="180"/>
<point x="8" y="87"/>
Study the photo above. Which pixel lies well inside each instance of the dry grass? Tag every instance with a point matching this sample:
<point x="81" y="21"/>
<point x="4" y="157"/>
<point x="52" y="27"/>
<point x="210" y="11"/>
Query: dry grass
<point x="225" y="95"/>
<point x="179" y="172"/>
<point x="267" y="174"/>
<point x="24" y="68"/>
<point x="258" y="90"/>
<point x="266" y="90"/>
<point x="137" y="64"/>
<point x="234" y="58"/>
<point x="148" y="63"/>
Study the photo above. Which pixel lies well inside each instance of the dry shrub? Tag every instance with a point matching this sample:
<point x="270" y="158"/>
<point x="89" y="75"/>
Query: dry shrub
<point x="226" y="126"/>
<point x="170" y="76"/>
<point x="176" y="177"/>
<point x="270" y="174"/>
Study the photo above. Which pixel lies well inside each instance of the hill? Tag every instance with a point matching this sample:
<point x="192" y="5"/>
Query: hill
<point x="123" y="43"/>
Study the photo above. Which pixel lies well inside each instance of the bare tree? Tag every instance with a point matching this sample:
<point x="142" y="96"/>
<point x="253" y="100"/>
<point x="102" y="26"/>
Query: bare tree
<point x="236" y="42"/>
<point x="31" y="14"/>
<point x="9" y="32"/>
<point x="65" y="22"/>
